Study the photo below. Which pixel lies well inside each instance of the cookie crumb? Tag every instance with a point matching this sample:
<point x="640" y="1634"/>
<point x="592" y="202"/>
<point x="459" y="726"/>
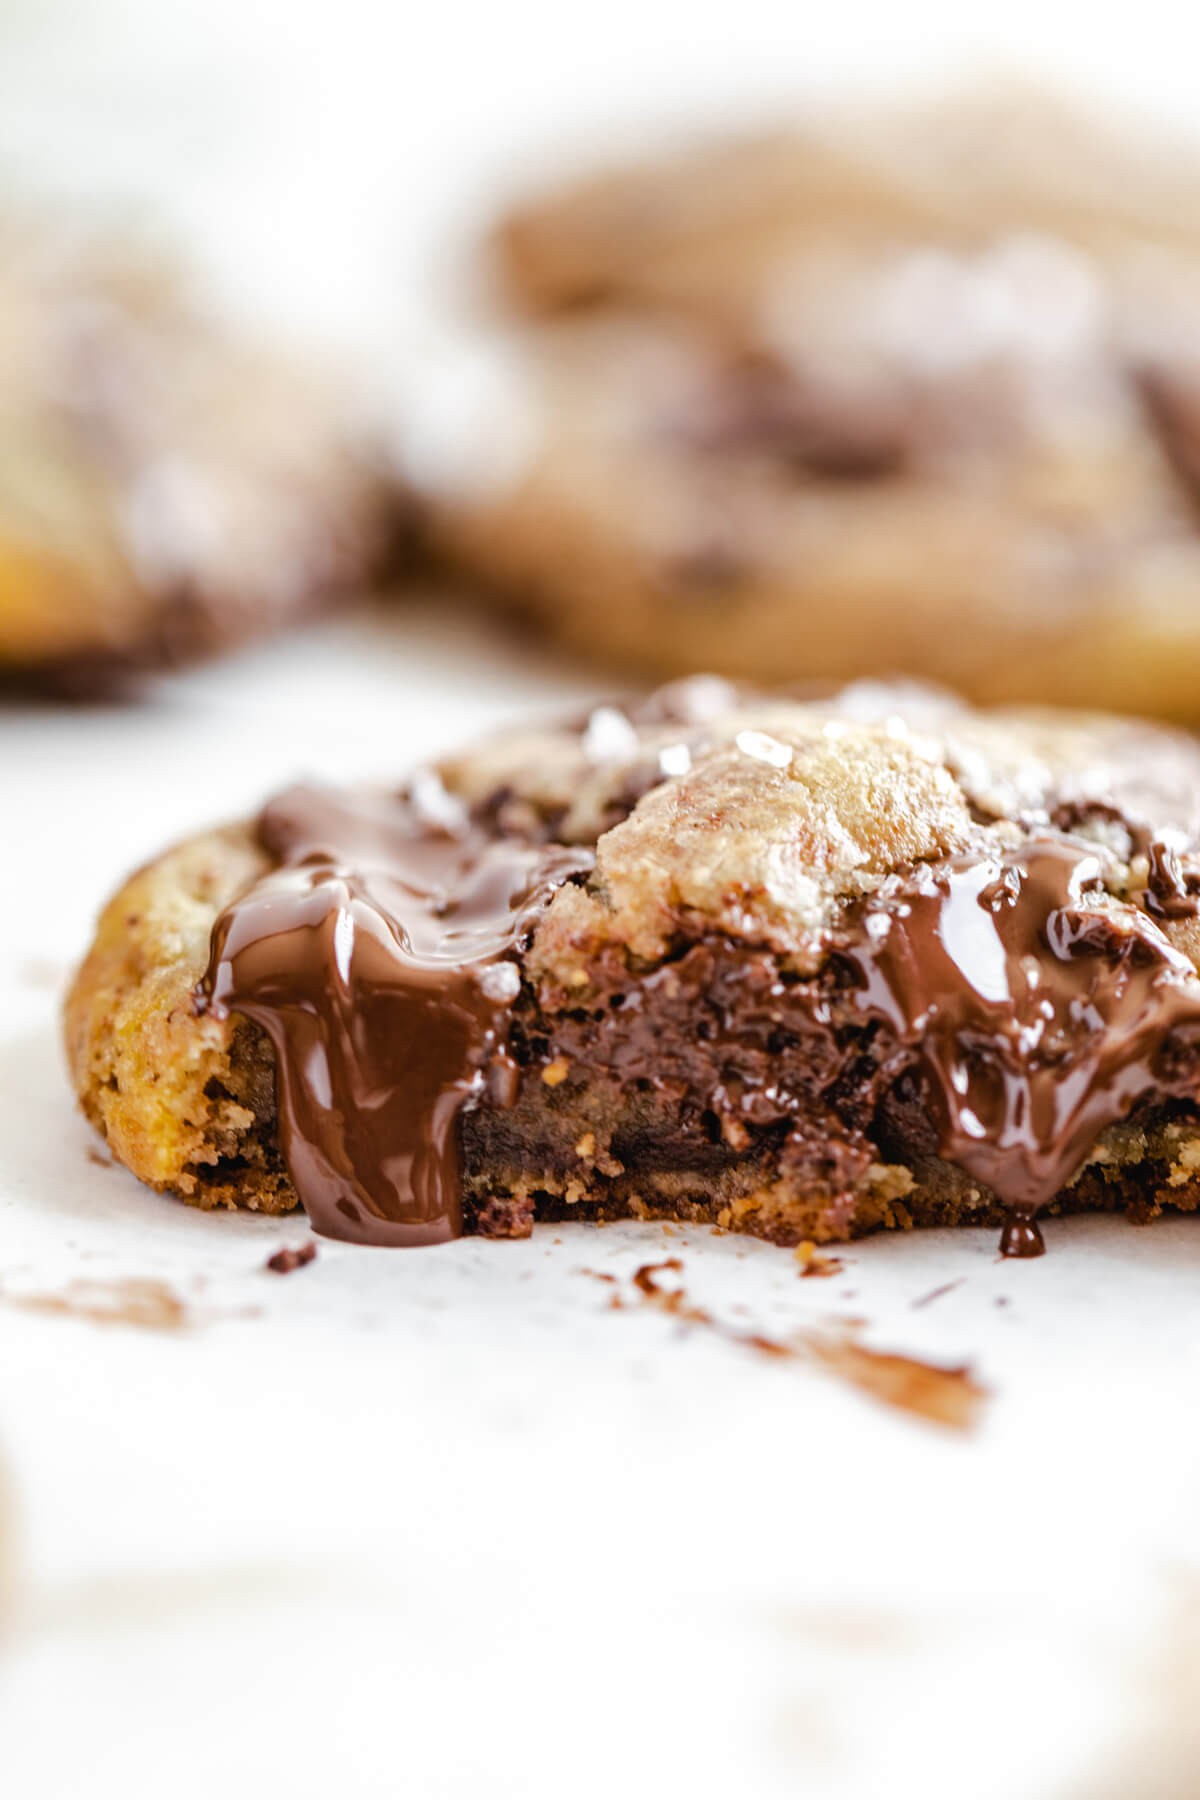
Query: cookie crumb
<point x="136" y="1300"/>
<point x="284" y="1262"/>
<point x="950" y="1397"/>
<point x="945" y="1396"/>
<point x="812" y="1262"/>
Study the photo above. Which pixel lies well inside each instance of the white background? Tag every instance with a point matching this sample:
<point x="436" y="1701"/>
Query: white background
<point x="443" y="1524"/>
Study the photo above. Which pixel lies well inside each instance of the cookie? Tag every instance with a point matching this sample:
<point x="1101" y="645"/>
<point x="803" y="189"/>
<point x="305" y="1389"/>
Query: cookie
<point x="794" y="967"/>
<point x="913" y="393"/>
<point x="166" y="489"/>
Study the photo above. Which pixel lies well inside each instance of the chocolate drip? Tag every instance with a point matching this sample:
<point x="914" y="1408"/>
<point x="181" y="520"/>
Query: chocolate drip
<point x="375" y="956"/>
<point x="381" y="954"/>
<point x="1171" y="891"/>
<point x="1022" y="1236"/>
<point x="1036" y="1010"/>
<point x="1170" y="894"/>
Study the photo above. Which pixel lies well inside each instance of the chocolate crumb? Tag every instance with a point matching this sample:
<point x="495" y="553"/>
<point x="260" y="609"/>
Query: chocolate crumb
<point x="284" y="1262"/>
<point x="674" y="1300"/>
<point x="947" y="1287"/>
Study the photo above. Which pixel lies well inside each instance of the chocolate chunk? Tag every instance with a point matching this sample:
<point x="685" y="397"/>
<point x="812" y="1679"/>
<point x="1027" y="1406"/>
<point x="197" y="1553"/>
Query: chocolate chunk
<point x="1170" y="894"/>
<point x="1035" y="1017"/>
<point x="1172" y="403"/>
<point x="755" y="404"/>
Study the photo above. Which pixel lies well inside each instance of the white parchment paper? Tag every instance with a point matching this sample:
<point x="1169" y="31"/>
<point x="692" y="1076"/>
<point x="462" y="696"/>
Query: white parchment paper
<point x="445" y="1524"/>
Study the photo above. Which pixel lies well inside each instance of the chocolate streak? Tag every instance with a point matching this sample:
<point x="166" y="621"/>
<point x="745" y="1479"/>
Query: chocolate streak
<point x="377" y="957"/>
<point x="1038" y="1014"/>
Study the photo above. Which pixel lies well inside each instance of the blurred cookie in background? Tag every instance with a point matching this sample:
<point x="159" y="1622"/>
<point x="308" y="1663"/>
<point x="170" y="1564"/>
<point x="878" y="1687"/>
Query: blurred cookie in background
<point x="917" y="390"/>
<point x="166" y="488"/>
<point x="721" y="230"/>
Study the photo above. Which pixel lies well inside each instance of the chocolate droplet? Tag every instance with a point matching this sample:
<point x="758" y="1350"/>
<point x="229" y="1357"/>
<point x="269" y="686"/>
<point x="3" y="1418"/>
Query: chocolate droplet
<point x="1022" y="1236"/>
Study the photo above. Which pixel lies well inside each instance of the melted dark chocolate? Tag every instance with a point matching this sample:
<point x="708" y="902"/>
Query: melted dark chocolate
<point x="1036" y="1014"/>
<point x="1017" y="1009"/>
<point x="377" y="956"/>
<point x="1170" y="893"/>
